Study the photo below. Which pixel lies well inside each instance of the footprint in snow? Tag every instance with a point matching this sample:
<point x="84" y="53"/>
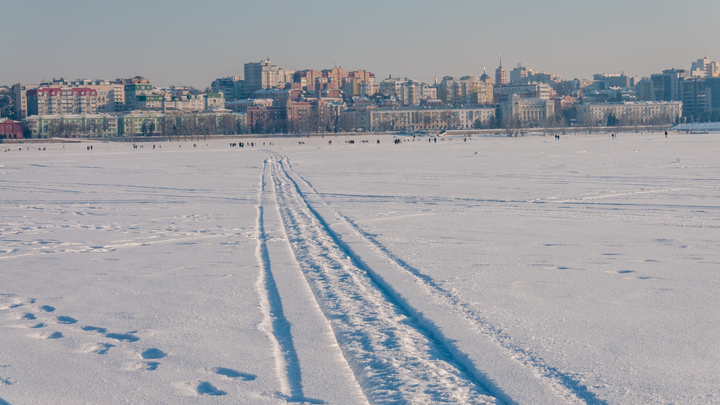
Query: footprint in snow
<point x="205" y="388"/>
<point x="94" y="329"/>
<point x="53" y="335"/>
<point x="153" y="354"/>
<point x="66" y="320"/>
<point x="99" y="348"/>
<point x="122" y="336"/>
<point x="230" y="373"/>
<point x="195" y="388"/>
<point x="47" y="308"/>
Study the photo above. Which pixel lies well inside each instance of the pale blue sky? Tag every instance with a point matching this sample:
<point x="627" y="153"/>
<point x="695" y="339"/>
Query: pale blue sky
<point x="193" y="42"/>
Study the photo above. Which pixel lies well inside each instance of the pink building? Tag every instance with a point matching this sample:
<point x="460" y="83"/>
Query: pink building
<point x="10" y="129"/>
<point x="56" y="100"/>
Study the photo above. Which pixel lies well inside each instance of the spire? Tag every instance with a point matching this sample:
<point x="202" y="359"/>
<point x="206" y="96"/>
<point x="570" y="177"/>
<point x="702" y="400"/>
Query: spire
<point x="500" y="60"/>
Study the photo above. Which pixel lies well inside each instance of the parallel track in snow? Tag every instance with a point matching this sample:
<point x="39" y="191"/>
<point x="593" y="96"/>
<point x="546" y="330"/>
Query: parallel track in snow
<point x="332" y="249"/>
<point x="393" y="357"/>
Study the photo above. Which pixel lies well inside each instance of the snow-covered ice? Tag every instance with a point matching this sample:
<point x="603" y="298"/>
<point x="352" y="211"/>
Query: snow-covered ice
<point x="497" y="270"/>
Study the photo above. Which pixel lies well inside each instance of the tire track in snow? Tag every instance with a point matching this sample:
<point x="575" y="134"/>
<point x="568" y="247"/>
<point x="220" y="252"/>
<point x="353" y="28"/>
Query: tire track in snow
<point x="394" y="358"/>
<point x="523" y="354"/>
<point x="309" y="362"/>
<point x="563" y="387"/>
<point x="274" y="323"/>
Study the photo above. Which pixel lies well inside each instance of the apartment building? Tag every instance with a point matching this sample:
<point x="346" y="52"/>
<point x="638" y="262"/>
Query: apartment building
<point x="629" y="113"/>
<point x="260" y="76"/>
<point x="416" y="118"/>
<point x="519" y="73"/>
<point x="57" y="100"/>
<point x="19" y="92"/>
<point x="70" y="125"/>
<point x="531" y="90"/>
<point x="133" y="91"/>
<point x="232" y="87"/>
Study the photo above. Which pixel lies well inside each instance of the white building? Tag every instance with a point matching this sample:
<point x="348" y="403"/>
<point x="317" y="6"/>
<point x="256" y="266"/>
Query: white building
<point x="527" y="110"/>
<point x="408" y="92"/>
<point x="530" y="90"/>
<point x="68" y="125"/>
<point x="214" y="101"/>
<point x="414" y="118"/>
<point x="629" y="113"/>
<point x="265" y="75"/>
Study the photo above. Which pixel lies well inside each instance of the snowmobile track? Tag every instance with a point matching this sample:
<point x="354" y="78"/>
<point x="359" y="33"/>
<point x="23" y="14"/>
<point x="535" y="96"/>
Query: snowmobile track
<point x="469" y="342"/>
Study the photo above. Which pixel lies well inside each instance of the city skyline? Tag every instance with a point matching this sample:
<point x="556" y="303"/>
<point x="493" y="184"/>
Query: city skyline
<point x="190" y="44"/>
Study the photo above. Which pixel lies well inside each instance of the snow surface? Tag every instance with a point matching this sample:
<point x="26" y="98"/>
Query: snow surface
<point x="498" y="270"/>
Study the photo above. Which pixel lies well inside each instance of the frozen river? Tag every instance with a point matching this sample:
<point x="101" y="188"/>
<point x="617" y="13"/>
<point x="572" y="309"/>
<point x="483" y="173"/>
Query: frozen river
<point x="501" y="270"/>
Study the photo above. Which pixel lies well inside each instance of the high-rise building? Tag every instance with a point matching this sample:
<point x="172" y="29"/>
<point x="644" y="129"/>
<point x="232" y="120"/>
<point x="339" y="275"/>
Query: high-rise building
<point x="519" y="73"/>
<point x="704" y="68"/>
<point x="19" y="91"/>
<point x="500" y="75"/>
<point x="696" y="97"/>
<point x="260" y="76"/>
<point x="58" y="100"/>
<point x="232" y="87"/>
<point x="667" y="84"/>
<point x="713" y="84"/>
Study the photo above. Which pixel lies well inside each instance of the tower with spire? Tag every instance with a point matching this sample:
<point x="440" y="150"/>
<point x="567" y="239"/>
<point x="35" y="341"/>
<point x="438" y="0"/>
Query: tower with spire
<point x="500" y="75"/>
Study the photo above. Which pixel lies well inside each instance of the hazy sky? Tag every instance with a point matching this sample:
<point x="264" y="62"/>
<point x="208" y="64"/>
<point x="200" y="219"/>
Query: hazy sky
<point x="186" y="42"/>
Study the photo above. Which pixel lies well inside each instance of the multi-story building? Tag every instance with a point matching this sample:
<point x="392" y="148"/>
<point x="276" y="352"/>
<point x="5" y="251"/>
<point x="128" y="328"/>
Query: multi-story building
<point x="214" y="101"/>
<point x="696" y="97"/>
<point x="19" y="91"/>
<point x="415" y="118"/>
<point x="10" y="129"/>
<point x="232" y="87"/>
<point x="519" y="73"/>
<point x="260" y="76"/>
<point x="529" y="111"/>
<point x="713" y="85"/>
<point x="133" y="91"/>
<point x="408" y="92"/>
<point x="704" y="68"/>
<point x="667" y="84"/>
<point x="531" y="90"/>
<point x="306" y="78"/>
<point x="607" y="80"/>
<point x="150" y="102"/>
<point x="57" y="100"/>
<point x="110" y="95"/>
<point x="645" y="90"/>
<point x="500" y="75"/>
<point x="71" y="125"/>
<point x="629" y="113"/>
<point x="242" y="105"/>
<point x="468" y="90"/>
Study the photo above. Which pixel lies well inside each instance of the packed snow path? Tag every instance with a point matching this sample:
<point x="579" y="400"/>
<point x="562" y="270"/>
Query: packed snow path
<point x="393" y="360"/>
<point x="405" y="338"/>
